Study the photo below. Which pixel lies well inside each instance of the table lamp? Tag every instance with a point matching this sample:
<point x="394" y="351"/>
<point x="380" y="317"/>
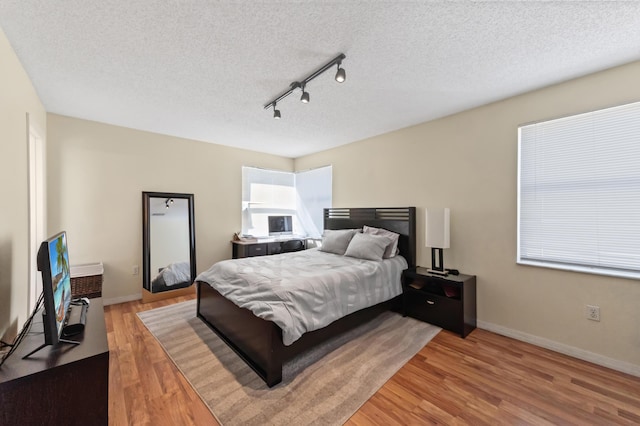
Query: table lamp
<point x="437" y="237"/>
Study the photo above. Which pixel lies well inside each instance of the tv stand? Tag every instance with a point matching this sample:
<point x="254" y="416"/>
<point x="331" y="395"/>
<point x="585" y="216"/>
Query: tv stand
<point x="62" y="384"/>
<point x="73" y="309"/>
<point x="73" y="342"/>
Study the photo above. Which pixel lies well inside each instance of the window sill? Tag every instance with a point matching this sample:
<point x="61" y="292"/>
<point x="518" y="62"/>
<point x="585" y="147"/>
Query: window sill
<point x="584" y="269"/>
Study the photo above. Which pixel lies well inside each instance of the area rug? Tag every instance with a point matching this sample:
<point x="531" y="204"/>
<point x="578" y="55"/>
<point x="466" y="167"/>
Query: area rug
<point x="324" y="386"/>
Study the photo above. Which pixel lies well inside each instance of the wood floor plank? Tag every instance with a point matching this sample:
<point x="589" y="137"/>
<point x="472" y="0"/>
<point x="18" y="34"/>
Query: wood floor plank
<point x="483" y="379"/>
<point x="145" y="387"/>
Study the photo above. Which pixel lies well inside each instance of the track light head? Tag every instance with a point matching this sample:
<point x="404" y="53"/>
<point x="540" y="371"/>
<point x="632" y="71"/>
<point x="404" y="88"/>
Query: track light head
<point x="341" y="75"/>
<point x="276" y="112"/>
<point x="305" y="98"/>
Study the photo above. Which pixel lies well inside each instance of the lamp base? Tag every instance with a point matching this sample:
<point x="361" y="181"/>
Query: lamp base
<point x="436" y="272"/>
<point x="437" y="262"/>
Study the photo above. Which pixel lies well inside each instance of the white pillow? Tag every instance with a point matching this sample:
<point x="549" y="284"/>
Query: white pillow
<point x="367" y="246"/>
<point x="392" y="249"/>
<point x="336" y="241"/>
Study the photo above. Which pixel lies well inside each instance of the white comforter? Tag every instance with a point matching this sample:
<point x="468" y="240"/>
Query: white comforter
<point x="305" y="290"/>
<point x="176" y="273"/>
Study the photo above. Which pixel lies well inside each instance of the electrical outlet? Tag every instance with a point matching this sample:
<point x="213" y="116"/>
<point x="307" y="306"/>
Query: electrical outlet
<point x="135" y="270"/>
<point x="593" y="312"/>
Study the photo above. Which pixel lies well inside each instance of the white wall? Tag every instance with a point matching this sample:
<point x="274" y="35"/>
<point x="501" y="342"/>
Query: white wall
<point x="468" y="162"/>
<point x="17" y="99"/>
<point x="96" y="175"/>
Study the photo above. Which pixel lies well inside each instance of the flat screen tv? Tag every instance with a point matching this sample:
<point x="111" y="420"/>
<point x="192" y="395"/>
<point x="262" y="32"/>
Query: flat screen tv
<point x="280" y="225"/>
<point x="53" y="262"/>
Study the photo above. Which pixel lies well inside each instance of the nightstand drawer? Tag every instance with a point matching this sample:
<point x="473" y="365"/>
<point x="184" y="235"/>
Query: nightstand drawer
<point x="257" y="250"/>
<point x="438" y="310"/>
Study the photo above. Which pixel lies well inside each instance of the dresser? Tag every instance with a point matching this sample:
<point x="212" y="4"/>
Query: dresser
<point x="265" y="247"/>
<point x="62" y="385"/>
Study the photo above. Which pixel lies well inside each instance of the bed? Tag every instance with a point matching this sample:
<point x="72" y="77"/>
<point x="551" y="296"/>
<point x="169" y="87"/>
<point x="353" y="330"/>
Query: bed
<point x="261" y="343"/>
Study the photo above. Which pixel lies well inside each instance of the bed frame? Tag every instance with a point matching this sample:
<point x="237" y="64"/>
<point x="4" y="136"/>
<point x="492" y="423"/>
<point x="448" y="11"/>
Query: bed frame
<point x="259" y="342"/>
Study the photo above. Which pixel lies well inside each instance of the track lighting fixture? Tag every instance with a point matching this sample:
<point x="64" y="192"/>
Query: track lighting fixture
<point x="168" y="202"/>
<point x="341" y="76"/>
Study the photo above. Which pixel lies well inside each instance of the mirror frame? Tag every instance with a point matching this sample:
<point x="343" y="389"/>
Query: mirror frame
<point x="146" y="236"/>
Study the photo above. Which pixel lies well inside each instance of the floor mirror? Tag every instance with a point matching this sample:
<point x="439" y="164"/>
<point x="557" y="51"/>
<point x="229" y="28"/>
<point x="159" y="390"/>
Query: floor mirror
<point x="168" y="245"/>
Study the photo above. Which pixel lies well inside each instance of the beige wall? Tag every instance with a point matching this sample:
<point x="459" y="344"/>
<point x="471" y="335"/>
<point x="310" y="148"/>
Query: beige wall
<point x="96" y="175"/>
<point x="468" y="162"/>
<point x="17" y="99"/>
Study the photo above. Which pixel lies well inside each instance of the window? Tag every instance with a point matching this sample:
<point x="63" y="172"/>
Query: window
<point x="301" y="195"/>
<point x="313" y="189"/>
<point x="579" y="192"/>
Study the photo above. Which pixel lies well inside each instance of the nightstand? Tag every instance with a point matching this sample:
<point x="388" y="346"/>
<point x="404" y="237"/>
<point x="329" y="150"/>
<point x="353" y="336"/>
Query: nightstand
<point x="448" y="302"/>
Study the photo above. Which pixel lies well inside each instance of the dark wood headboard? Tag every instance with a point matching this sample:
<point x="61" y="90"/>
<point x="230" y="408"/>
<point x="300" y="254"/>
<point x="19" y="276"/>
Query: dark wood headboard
<point x="401" y="220"/>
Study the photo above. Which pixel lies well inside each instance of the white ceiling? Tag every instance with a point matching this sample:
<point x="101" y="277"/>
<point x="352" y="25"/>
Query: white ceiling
<point x="204" y="69"/>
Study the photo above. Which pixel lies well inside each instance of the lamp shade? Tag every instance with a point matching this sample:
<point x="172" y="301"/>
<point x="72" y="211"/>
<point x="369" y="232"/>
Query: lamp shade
<point x="437" y="227"/>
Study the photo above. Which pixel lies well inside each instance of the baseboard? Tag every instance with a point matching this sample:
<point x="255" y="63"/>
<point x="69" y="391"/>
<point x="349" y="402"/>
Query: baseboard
<point x="148" y="297"/>
<point x="121" y="299"/>
<point x="614" y="364"/>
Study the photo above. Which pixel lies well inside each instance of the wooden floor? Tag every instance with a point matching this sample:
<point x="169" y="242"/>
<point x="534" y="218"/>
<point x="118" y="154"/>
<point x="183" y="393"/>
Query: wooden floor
<point x="483" y="379"/>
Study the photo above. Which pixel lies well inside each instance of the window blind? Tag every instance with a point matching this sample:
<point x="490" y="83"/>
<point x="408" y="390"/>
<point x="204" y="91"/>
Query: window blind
<point x="265" y="193"/>
<point x="579" y="192"/>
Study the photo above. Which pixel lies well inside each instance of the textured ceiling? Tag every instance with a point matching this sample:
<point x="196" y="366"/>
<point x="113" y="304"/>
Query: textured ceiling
<point x="204" y="69"/>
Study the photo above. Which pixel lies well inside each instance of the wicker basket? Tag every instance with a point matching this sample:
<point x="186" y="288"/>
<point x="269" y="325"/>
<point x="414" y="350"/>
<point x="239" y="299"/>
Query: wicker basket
<point x="90" y="286"/>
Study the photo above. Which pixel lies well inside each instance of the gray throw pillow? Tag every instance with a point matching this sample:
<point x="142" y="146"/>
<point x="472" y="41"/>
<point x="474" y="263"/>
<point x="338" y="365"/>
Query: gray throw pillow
<point x="392" y="249"/>
<point x="337" y="241"/>
<point x="367" y="246"/>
